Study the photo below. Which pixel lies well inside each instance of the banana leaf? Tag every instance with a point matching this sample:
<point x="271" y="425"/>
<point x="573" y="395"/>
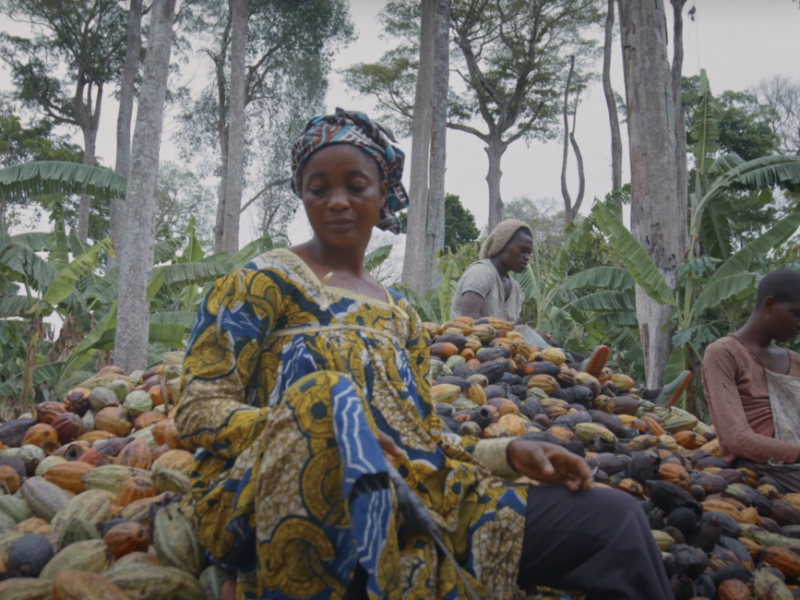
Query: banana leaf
<point x="38" y="178"/>
<point x="635" y="258"/>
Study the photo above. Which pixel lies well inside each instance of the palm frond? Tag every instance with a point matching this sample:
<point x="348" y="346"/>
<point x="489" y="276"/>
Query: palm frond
<point x="636" y="259"/>
<point x="179" y="275"/>
<point x="715" y="229"/>
<point x="377" y="257"/>
<point x="166" y="250"/>
<point x="64" y="283"/>
<point x="13" y="306"/>
<point x="38" y="178"/>
<point x="184" y="318"/>
<point x="740" y="262"/>
<point x="766" y="171"/>
<point x="615" y="278"/>
<point x="604" y="302"/>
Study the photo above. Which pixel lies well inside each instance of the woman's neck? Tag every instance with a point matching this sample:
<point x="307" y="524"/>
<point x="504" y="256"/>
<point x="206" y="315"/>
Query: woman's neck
<point x="335" y="259"/>
<point x="753" y="334"/>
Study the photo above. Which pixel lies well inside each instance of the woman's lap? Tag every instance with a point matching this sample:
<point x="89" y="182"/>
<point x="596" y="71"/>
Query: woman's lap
<point x="594" y="540"/>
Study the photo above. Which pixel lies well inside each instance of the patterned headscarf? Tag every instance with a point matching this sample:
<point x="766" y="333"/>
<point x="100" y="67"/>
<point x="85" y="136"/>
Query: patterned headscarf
<point x="356" y="129"/>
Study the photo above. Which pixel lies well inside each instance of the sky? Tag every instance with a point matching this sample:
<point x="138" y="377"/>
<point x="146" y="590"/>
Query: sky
<point x="738" y="42"/>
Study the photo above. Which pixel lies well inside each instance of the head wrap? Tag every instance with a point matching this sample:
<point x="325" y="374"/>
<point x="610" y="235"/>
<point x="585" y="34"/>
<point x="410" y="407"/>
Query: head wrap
<point x="358" y="130"/>
<point x="500" y="236"/>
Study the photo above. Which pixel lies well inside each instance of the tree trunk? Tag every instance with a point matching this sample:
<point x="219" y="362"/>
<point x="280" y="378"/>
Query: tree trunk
<point x="133" y="319"/>
<point x="655" y="211"/>
<point x="677" y="97"/>
<point x="89" y="142"/>
<point x="234" y="183"/>
<point x="611" y="103"/>
<point x="495" y="149"/>
<point x="434" y="238"/>
<point x="127" y="87"/>
<point x="417" y="261"/>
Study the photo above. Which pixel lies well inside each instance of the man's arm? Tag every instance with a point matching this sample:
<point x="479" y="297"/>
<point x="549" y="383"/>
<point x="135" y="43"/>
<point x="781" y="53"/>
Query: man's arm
<point x="735" y="434"/>
<point x="472" y="304"/>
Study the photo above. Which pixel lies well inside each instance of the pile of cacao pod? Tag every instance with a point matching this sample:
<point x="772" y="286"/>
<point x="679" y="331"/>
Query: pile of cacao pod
<point x="724" y="533"/>
<point x="91" y="492"/>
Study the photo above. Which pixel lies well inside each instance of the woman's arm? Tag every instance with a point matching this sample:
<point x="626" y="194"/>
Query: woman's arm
<point x="221" y="363"/>
<point x="734" y="432"/>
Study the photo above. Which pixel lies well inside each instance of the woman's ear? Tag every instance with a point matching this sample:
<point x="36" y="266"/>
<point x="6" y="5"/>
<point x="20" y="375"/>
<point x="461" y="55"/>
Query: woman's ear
<point x="384" y="191"/>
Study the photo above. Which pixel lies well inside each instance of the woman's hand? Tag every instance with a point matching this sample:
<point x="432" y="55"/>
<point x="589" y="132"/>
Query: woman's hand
<point x="549" y="463"/>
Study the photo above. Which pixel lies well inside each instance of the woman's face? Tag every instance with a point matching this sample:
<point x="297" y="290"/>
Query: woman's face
<point x="343" y="194"/>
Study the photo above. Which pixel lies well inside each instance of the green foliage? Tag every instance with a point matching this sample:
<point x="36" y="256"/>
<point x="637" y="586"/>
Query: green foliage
<point x="459" y="223"/>
<point x="508" y="53"/>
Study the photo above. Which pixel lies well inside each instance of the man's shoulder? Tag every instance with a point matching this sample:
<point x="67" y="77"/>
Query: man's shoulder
<point x="727" y="345"/>
<point x="480" y="270"/>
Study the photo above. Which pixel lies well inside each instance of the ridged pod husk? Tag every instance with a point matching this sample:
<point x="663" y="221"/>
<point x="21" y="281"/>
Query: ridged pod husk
<point x="733" y="589"/>
<point x="212" y="579"/>
<point x="93" y="506"/>
<point x="176" y="460"/>
<point x="768" y="587"/>
<point x="136" y="454"/>
<point x="786" y="561"/>
<point x="25" y="588"/>
<point x="69" y="475"/>
<point x="167" y="480"/>
<point x="765" y="538"/>
<point x="587" y="431"/>
<point x="33" y="525"/>
<point x="92" y="555"/>
<point x="175" y="541"/>
<point x="15" y="507"/>
<point x="747" y="515"/>
<point x="664" y="541"/>
<point x="126" y="537"/>
<point x="82" y="585"/>
<point x="77" y="530"/>
<point x="674" y="474"/>
<point x="43" y="498"/>
<point x="135" y="488"/>
<point x="140" y="511"/>
<point x="151" y="582"/>
<point x="109" y="477"/>
<point x="9" y="479"/>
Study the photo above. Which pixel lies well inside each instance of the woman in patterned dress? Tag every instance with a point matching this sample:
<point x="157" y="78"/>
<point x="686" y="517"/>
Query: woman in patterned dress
<point x="304" y="376"/>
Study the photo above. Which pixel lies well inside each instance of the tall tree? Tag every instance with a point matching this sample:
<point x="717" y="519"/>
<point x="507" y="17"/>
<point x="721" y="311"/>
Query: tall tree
<point x="236" y="120"/>
<point x="437" y="221"/>
<point x="85" y="40"/>
<point x="783" y="97"/>
<point x="677" y="103"/>
<point x="655" y="212"/>
<point x="416" y="262"/>
<point x="510" y="57"/>
<point x="289" y="47"/>
<point x="611" y="101"/>
<point x="133" y="317"/>
<point x="571" y="210"/>
<point x="127" y="84"/>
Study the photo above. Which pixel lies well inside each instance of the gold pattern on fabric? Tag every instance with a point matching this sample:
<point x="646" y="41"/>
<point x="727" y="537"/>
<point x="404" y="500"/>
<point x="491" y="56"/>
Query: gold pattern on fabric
<point x="258" y="402"/>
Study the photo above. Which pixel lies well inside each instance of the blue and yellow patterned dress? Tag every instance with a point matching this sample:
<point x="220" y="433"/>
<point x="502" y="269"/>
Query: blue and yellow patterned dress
<point x="285" y="381"/>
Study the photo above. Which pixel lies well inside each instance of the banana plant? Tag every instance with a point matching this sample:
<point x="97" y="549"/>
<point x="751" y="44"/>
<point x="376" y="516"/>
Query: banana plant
<point x="38" y="264"/>
<point x="696" y="292"/>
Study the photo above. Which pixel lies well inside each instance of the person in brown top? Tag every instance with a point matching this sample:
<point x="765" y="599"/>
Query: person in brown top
<point x="736" y="384"/>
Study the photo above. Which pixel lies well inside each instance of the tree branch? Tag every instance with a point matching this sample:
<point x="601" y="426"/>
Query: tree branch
<point x="271" y="184"/>
<point x="565" y="154"/>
